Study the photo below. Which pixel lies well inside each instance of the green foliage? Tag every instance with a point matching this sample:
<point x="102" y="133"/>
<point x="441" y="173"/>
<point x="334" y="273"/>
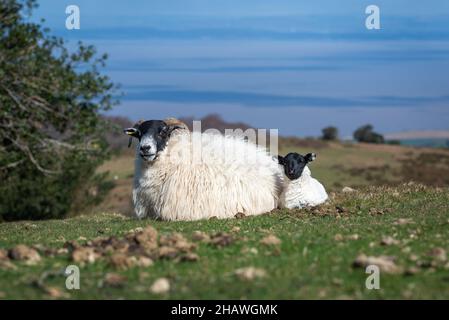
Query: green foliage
<point x="366" y="134"/>
<point x="51" y="134"/>
<point x="330" y="133"/>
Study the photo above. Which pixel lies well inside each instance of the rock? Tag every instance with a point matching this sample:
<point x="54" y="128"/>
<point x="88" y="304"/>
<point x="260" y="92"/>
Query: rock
<point x="411" y="271"/>
<point x="338" y="237"/>
<point x="271" y="240"/>
<point x="55" y="293"/>
<point x="438" y="253"/>
<point x="177" y="241"/>
<point x="235" y="229"/>
<point x="240" y="215"/>
<point x="114" y="280"/>
<point x="121" y="261"/>
<point x="388" y="241"/>
<point x="246" y="250"/>
<point x="167" y="252"/>
<point x="348" y="190"/>
<point x="403" y="221"/>
<point x="353" y="237"/>
<point x="200" y="236"/>
<point x="250" y="273"/>
<point x="144" y="262"/>
<point x="191" y="257"/>
<point x="84" y="255"/>
<point x="221" y="239"/>
<point x="147" y="238"/>
<point x="24" y="253"/>
<point x="385" y="263"/>
<point x="3" y="255"/>
<point x="160" y="286"/>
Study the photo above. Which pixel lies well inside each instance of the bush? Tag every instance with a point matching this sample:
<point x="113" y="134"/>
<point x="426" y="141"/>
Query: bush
<point x="329" y="133"/>
<point x="366" y="134"/>
<point x="51" y="134"/>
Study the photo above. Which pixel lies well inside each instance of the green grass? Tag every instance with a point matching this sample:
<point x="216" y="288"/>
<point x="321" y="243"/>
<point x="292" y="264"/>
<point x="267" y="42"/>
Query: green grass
<point x="309" y="263"/>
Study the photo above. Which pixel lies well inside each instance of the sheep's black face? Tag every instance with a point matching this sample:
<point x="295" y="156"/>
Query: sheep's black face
<point x="152" y="135"/>
<point x="294" y="164"/>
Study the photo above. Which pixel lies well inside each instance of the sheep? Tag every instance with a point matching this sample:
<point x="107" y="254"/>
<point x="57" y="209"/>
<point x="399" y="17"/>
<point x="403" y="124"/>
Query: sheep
<point x="182" y="175"/>
<point x="300" y="189"/>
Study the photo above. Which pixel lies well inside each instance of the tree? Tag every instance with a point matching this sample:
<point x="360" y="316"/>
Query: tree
<point x="329" y="133"/>
<point x="366" y="134"/>
<point x="51" y="134"/>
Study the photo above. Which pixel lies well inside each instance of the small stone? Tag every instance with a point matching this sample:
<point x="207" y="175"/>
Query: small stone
<point x="411" y="271"/>
<point x="388" y="241"/>
<point x="348" y="190"/>
<point x="403" y="221"/>
<point x="235" y="229"/>
<point x="191" y="257"/>
<point x="385" y="263"/>
<point x="221" y="239"/>
<point x="84" y="255"/>
<point x="200" y="236"/>
<point x="250" y="273"/>
<point x="56" y="293"/>
<point x="353" y="237"/>
<point x="160" y="286"/>
<point x="246" y="250"/>
<point x="121" y="261"/>
<point x="114" y="280"/>
<point x="143" y="262"/>
<point x="338" y="237"/>
<point x="167" y="252"/>
<point x="240" y="215"/>
<point x="271" y="240"/>
<point x="24" y="253"/>
<point x="438" y="253"/>
<point x="147" y="238"/>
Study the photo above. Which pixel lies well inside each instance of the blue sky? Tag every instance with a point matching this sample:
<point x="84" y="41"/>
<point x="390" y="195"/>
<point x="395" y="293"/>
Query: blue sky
<point x="293" y="65"/>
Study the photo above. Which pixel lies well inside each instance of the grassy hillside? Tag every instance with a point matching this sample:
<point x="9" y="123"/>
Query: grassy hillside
<point x="287" y="254"/>
<point x="320" y="253"/>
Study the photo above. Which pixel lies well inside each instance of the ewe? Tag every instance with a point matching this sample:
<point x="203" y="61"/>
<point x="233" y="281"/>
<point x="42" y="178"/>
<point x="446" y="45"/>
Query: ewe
<point x="300" y="189"/>
<point x="189" y="176"/>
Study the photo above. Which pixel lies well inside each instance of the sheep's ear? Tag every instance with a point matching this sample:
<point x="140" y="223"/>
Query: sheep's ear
<point x="281" y="160"/>
<point x="132" y="132"/>
<point x="310" y="157"/>
<point x="168" y="129"/>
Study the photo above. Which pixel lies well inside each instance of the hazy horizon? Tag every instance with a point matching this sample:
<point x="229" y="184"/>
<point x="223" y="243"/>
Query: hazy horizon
<point x="293" y="66"/>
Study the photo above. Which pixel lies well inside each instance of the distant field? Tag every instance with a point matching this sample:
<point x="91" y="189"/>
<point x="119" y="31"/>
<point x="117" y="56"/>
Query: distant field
<point x="429" y="142"/>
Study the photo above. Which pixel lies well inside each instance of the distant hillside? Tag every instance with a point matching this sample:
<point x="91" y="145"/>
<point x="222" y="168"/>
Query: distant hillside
<point x="411" y="135"/>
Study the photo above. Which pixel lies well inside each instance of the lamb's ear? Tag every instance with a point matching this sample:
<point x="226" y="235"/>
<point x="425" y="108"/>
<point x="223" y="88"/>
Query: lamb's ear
<point x="133" y="133"/>
<point x="281" y="160"/>
<point x="310" y="157"/>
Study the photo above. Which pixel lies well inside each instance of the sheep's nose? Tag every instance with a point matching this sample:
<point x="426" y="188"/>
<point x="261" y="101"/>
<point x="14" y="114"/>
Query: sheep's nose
<point x="145" y="149"/>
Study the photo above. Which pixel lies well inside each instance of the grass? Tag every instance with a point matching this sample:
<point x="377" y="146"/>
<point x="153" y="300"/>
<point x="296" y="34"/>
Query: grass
<point x="314" y="259"/>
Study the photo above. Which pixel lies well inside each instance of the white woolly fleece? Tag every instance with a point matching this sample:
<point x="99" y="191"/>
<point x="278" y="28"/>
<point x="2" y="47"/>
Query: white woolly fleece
<point x="302" y="192"/>
<point x="234" y="176"/>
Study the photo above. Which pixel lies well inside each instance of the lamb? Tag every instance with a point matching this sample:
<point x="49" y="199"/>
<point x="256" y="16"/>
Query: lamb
<point x="300" y="189"/>
<point x="181" y="175"/>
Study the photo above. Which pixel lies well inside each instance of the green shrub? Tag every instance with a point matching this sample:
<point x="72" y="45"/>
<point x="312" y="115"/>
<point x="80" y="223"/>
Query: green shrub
<point x="51" y="134"/>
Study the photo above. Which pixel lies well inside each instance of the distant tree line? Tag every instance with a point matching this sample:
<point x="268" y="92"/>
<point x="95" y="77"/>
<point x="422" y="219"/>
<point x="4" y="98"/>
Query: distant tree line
<point x="364" y="133"/>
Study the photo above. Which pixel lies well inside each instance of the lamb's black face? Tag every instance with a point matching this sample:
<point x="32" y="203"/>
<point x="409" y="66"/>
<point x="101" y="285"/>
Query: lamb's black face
<point x="152" y="135"/>
<point x="294" y="164"/>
